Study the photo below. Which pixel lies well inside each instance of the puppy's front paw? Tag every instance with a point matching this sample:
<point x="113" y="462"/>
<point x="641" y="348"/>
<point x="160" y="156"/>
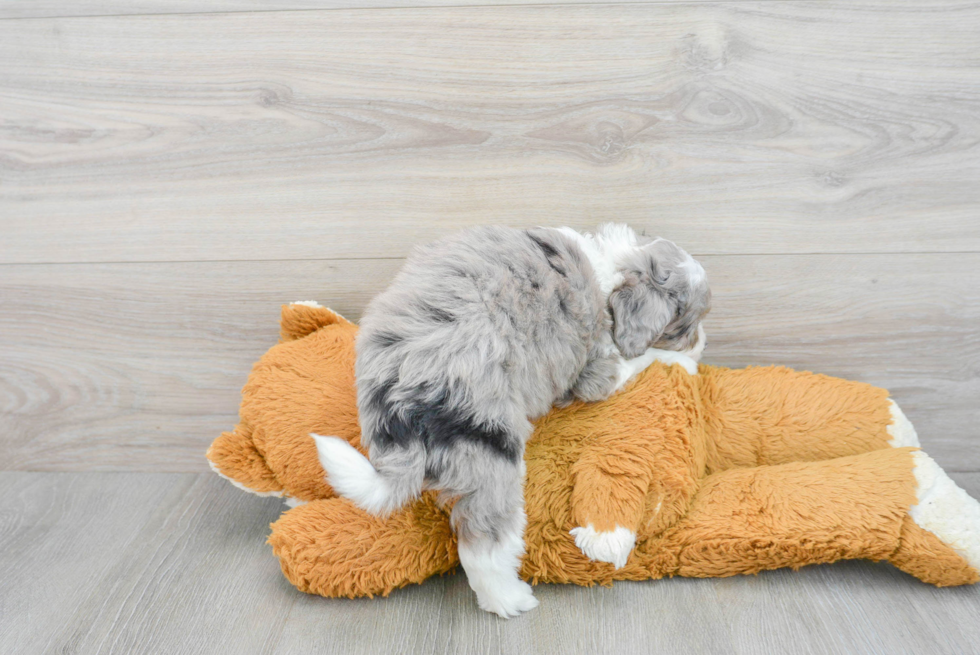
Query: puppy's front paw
<point x="612" y="547"/>
<point x="689" y="364"/>
<point x="506" y="598"/>
<point x="670" y="357"/>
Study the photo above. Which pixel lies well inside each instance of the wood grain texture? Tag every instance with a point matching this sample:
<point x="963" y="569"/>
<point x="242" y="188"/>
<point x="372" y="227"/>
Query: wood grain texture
<point x="137" y="563"/>
<point x="230" y="162"/>
<point x="140" y="366"/>
<point x="20" y="9"/>
<point x="776" y="127"/>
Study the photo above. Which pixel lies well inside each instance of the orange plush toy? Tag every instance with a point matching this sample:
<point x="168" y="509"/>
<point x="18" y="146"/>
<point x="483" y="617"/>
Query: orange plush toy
<point x="714" y="474"/>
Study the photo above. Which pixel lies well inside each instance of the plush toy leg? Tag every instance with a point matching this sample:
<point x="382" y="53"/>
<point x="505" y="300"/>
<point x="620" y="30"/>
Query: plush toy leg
<point x="941" y="535"/>
<point x="775" y="415"/>
<point x="752" y="519"/>
<point x="331" y="548"/>
<point x="925" y="556"/>
<point x="305" y="317"/>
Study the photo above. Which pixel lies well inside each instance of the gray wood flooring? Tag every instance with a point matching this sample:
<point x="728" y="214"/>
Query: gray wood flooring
<point x="138" y="366"/>
<point x="176" y="563"/>
<point x="171" y="172"/>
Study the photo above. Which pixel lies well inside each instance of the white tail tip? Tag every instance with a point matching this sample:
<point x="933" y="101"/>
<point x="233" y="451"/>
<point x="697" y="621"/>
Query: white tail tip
<point x="352" y="475"/>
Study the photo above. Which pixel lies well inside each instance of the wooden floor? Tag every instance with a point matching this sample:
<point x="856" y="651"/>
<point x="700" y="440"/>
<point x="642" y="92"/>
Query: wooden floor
<point x="177" y="563"/>
<point x="169" y="176"/>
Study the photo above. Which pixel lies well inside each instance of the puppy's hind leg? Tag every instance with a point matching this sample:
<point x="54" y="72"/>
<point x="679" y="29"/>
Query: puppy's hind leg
<point x="489" y="523"/>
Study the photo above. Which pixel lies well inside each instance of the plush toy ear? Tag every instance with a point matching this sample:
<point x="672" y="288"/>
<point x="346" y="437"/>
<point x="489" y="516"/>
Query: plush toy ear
<point x="300" y="319"/>
<point x="235" y="457"/>
<point x="640" y="315"/>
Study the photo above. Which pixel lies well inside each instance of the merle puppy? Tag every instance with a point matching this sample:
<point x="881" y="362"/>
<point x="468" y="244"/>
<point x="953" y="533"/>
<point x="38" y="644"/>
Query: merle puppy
<point x="479" y="334"/>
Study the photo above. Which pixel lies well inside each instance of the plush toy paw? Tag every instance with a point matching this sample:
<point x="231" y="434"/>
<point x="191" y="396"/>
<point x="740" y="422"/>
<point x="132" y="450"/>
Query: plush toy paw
<point x="611" y="547"/>
<point x="900" y="430"/>
<point x="945" y="510"/>
<point x="507" y="597"/>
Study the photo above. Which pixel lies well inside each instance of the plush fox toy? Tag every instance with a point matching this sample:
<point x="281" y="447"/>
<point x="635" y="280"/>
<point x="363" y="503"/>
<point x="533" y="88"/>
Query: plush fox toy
<point x="714" y="474"/>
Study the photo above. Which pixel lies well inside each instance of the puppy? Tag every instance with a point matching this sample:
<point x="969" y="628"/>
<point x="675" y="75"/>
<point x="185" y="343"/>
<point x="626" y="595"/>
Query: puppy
<point x="479" y="334"/>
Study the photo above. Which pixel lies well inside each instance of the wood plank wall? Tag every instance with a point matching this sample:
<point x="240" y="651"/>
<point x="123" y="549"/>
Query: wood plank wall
<point x="168" y="179"/>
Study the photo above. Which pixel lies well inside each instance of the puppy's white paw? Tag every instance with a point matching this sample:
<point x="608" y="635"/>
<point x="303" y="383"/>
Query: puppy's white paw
<point x="670" y="357"/>
<point x="506" y="597"/>
<point x="689" y="364"/>
<point x="612" y="547"/>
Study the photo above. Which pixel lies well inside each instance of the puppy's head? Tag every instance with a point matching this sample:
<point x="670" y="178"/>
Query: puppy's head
<point x="660" y="304"/>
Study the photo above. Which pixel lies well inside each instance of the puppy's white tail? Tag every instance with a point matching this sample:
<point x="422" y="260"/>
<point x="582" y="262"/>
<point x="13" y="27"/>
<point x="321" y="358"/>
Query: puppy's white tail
<point x="353" y="476"/>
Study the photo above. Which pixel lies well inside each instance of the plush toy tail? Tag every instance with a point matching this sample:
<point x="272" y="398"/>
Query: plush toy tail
<point x="353" y="476"/>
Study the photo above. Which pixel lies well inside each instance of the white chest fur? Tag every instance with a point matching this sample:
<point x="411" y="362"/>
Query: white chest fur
<point x="603" y="250"/>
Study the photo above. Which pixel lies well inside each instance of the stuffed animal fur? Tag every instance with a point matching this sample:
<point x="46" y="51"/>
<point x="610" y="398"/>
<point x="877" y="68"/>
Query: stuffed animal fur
<point x="715" y="474"/>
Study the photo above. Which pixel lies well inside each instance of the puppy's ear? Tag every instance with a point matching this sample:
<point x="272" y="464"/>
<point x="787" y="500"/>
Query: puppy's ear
<point x="640" y="315"/>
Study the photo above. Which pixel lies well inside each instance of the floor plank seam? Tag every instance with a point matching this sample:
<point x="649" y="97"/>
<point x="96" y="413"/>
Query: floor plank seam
<point x="395" y="7"/>
<point x="142" y="262"/>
